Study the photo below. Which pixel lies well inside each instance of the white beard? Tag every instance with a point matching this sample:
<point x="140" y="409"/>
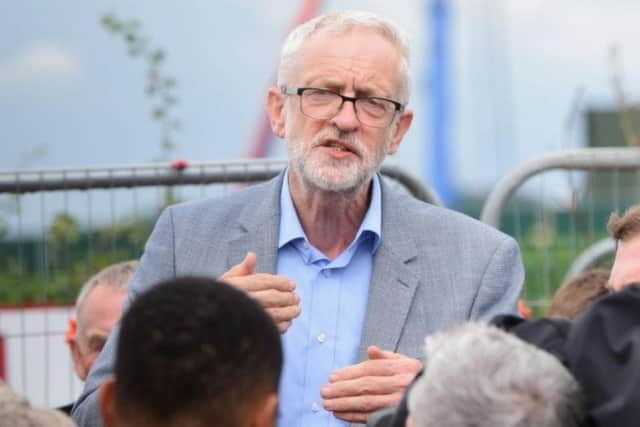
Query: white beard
<point x="331" y="174"/>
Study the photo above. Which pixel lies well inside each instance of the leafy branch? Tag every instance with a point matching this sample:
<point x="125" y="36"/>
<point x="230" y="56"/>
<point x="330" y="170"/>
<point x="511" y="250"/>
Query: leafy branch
<point x="160" y="88"/>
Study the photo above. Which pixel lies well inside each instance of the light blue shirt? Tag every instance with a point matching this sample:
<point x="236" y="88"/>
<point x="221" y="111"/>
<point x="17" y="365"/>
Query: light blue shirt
<point x="333" y="302"/>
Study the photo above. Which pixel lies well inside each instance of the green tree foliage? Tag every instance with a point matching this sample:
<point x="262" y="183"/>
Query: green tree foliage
<point x="52" y="268"/>
<point x="64" y="230"/>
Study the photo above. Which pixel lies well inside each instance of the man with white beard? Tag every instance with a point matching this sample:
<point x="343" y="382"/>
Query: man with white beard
<point x="354" y="273"/>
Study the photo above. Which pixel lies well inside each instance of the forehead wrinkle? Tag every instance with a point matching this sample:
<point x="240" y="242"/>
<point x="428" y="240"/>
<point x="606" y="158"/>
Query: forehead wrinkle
<point x="353" y="60"/>
<point x="340" y="76"/>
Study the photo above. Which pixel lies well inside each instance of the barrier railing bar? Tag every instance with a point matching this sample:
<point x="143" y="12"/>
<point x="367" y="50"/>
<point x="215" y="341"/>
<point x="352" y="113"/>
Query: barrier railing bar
<point x="591" y="256"/>
<point x="127" y="176"/>
<point x="151" y="167"/>
<point x="576" y="159"/>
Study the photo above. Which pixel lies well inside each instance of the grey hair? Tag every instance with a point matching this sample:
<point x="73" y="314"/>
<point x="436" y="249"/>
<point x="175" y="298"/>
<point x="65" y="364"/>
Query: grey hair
<point x="479" y="375"/>
<point x="338" y="22"/>
<point x="115" y="276"/>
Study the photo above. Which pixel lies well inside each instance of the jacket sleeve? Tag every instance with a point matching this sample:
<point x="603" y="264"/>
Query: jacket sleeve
<point x="501" y="283"/>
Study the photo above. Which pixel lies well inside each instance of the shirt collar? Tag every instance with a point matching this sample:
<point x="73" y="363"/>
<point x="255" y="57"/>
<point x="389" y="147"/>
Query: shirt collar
<point x="291" y="229"/>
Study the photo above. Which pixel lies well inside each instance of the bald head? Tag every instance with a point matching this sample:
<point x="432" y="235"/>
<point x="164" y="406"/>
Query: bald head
<point x="98" y="308"/>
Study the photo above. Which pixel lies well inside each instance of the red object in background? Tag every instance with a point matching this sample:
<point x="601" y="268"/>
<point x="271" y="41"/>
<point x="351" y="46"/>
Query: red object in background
<point x="3" y="360"/>
<point x="179" y="164"/>
<point x="524" y="309"/>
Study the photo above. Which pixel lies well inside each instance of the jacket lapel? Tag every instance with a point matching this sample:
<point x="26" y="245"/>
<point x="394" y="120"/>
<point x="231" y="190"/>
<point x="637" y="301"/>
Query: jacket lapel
<point x="259" y="225"/>
<point x="394" y="281"/>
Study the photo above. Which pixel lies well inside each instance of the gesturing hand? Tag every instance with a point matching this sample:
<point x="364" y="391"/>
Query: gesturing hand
<point x="276" y="293"/>
<point x="356" y="391"/>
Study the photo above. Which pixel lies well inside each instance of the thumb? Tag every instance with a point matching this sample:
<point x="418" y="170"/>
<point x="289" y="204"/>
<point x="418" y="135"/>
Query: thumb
<point x="375" y="352"/>
<point x="244" y="268"/>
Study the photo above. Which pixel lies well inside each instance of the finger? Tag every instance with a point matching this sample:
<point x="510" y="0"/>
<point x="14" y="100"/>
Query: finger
<point x="284" y="314"/>
<point x="261" y="281"/>
<point x="245" y="267"/>
<point x="275" y="298"/>
<point x="283" y="326"/>
<point x="375" y="368"/>
<point x="375" y="352"/>
<point x="352" y="417"/>
<point x="367" y="386"/>
<point x="362" y="404"/>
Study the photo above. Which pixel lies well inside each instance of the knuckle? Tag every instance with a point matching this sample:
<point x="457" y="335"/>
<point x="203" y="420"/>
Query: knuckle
<point x="363" y="405"/>
<point x="368" y="386"/>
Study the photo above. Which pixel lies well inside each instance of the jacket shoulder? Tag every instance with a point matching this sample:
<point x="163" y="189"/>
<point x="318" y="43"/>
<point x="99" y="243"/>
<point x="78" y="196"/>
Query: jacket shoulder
<point x="428" y="221"/>
<point x="226" y="207"/>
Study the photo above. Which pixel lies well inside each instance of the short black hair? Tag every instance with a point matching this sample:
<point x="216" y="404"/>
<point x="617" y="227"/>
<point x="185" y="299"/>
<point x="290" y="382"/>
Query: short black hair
<point x="195" y="351"/>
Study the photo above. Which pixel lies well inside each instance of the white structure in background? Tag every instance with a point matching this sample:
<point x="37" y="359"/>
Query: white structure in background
<point x="37" y="360"/>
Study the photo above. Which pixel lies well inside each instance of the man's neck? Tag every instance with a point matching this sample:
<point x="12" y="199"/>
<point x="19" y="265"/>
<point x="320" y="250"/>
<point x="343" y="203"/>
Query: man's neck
<point x="329" y="219"/>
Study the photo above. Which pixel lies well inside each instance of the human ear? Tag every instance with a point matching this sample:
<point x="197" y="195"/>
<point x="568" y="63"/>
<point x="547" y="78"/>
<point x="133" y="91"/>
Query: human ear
<point x="400" y="128"/>
<point x="78" y="360"/>
<point x="275" y="110"/>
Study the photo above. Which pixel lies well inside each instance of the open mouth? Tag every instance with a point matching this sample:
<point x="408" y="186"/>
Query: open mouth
<point x="339" y="148"/>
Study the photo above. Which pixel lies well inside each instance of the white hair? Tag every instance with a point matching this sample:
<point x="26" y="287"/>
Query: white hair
<point x="338" y="22"/>
<point x="479" y="375"/>
<point x="115" y="276"/>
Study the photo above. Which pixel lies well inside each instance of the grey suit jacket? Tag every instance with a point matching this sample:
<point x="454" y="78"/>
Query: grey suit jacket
<point x="433" y="268"/>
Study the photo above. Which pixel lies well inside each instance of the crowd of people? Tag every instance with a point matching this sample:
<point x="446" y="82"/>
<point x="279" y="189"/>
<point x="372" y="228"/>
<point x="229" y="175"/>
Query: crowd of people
<point x="327" y="282"/>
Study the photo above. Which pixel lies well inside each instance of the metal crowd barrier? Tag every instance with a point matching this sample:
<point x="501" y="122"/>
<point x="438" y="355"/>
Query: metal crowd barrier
<point x="569" y="237"/>
<point x="578" y="159"/>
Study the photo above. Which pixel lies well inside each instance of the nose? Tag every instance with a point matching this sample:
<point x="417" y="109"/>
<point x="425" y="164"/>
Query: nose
<point x="346" y="119"/>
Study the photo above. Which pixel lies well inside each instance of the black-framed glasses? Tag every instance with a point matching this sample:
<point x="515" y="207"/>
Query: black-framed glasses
<point x="324" y="104"/>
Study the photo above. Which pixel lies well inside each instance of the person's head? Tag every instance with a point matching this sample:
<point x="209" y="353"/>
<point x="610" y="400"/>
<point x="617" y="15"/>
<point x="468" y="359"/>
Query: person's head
<point x="577" y="293"/>
<point x="98" y="308"/>
<point x="335" y="144"/>
<point x="479" y="375"/>
<point x="625" y="230"/>
<point x="194" y="352"/>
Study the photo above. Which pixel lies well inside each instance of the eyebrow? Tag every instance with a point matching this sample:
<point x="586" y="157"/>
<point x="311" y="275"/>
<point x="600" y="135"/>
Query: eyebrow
<point x="337" y="86"/>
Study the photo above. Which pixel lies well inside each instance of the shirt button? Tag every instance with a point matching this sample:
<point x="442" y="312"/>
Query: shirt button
<point x="322" y="337"/>
<point x="315" y="407"/>
<point x="326" y="272"/>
